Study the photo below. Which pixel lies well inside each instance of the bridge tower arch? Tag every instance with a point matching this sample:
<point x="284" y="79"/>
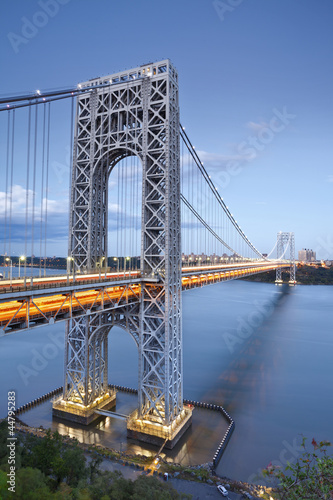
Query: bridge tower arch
<point x="285" y="240"/>
<point x="134" y="112"/>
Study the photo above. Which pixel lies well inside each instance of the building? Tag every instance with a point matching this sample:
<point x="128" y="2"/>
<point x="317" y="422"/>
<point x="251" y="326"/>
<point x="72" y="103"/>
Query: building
<point x="306" y="255"/>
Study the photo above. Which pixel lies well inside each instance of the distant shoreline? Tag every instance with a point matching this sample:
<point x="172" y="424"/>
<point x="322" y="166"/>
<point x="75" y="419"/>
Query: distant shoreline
<point x="305" y="275"/>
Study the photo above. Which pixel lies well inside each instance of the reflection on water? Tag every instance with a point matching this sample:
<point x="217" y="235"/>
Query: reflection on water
<point x="266" y="359"/>
<point x="198" y="445"/>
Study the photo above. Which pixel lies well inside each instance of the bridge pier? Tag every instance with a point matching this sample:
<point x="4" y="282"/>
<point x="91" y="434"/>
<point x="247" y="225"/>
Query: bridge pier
<point x="81" y="414"/>
<point x="157" y="434"/>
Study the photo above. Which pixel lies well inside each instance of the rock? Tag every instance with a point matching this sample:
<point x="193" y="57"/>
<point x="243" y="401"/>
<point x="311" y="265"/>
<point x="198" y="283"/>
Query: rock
<point x="193" y="474"/>
<point x="209" y="481"/>
<point x="227" y="486"/>
<point x="176" y="474"/>
<point x="200" y="478"/>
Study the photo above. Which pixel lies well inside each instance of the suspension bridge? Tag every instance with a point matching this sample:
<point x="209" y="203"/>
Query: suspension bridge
<point x="146" y="222"/>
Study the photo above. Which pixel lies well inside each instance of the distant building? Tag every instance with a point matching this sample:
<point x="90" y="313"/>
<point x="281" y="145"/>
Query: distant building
<point x="306" y="255"/>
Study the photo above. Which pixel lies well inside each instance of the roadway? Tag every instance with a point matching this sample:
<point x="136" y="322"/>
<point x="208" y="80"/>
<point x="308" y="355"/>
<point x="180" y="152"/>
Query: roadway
<point x="55" y="298"/>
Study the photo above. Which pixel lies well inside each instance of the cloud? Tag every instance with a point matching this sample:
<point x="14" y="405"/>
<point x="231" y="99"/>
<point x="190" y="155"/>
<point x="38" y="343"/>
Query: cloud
<point x="256" y="127"/>
<point x="16" y="203"/>
<point x="214" y="162"/>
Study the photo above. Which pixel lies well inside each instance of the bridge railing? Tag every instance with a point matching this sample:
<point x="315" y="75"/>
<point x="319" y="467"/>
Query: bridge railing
<point x="21" y="285"/>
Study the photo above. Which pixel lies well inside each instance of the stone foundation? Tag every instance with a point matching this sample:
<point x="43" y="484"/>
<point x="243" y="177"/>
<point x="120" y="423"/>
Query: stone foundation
<point x="77" y="413"/>
<point x="156" y="434"/>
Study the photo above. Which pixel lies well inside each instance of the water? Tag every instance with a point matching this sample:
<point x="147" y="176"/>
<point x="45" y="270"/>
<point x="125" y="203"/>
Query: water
<point x="265" y="356"/>
<point x="17" y="271"/>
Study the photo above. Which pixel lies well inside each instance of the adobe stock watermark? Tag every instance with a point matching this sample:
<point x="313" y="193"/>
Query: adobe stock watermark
<point x="62" y="170"/>
<point x="324" y="249"/>
<point x="247" y="326"/>
<point x="289" y="454"/>
<point x="225" y="7"/>
<point x="40" y="357"/>
<point x="31" y="26"/>
<point x="249" y="149"/>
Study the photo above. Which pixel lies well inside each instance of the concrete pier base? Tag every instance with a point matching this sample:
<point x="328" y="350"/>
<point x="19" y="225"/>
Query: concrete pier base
<point x="158" y="434"/>
<point x="81" y="414"/>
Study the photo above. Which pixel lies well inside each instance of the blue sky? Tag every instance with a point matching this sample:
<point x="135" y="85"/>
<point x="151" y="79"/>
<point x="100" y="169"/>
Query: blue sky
<point x="256" y="84"/>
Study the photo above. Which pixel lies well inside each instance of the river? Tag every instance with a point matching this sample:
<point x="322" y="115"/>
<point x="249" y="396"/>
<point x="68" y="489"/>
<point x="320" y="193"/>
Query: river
<point x="266" y="356"/>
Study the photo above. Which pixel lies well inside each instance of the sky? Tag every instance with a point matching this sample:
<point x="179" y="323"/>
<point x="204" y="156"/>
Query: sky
<point x="255" y="79"/>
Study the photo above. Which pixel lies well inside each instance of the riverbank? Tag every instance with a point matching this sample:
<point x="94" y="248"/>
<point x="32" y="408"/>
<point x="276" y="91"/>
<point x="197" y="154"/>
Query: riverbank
<point x="305" y="275"/>
<point x="122" y="461"/>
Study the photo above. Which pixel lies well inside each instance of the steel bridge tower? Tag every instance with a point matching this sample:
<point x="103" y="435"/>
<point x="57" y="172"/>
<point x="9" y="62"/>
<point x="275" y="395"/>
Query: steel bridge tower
<point x="130" y="113"/>
<point x="283" y="241"/>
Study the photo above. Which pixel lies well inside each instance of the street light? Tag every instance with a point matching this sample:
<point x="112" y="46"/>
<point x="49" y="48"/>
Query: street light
<point x="127" y="258"/>
<point x="21" y="259"/>
<point x="69" y="259"/>
<point x="100" y="266"/>
<point x="8" y="259"/>
<point x="117" y="259"/>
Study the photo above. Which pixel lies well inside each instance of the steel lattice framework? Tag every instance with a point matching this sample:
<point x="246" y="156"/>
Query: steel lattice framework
<point x="137" y="114"/>
<point x="283" y="241"/>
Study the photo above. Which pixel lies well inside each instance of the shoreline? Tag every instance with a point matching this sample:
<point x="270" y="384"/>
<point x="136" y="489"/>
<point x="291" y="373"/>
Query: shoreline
<point x="201" y="473"/>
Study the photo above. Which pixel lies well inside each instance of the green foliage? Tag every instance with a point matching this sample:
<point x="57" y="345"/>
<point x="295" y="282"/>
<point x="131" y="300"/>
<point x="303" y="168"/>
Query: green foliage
<point x="52" y="456"/>
<point x="31" y="484"/>
<point x="3" y="446"/>
<point x="310" y="477"/>
<point x="4" y="493"/>
<point x="150" y="488"/>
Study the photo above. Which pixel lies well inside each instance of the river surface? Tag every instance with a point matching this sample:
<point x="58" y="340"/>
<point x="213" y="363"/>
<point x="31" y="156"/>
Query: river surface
<point x="263" y="353"/>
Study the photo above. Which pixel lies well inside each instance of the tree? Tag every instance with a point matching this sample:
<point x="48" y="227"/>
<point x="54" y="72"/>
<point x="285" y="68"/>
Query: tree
<point x="55" y="458"/>
<point x="31" y="484"/>
<point x="150" y="488"/>
<point x="310" y="477"/>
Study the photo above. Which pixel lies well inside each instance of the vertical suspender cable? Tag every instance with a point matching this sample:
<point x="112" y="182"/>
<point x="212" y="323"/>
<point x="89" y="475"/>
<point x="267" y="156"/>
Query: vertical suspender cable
<point x="11" y="186"/>
<point x="6" y="182"/>
<point x="182" y="191"/>
<point x="47" y="181"/>
<point x="71" y="132"/>
<point x="138" y="216"/>
<point x="42" y="192"/>
<point x="124" y="208"/>
<point x="131" y="212"/>
<point x="118" y="204"/>
<point x="27" y="194"/>
<point x="34" y="191"/>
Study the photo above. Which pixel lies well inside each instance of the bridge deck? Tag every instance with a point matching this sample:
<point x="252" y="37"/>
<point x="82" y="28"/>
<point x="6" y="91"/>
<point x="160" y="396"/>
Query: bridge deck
<point x="39" y="303"/>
